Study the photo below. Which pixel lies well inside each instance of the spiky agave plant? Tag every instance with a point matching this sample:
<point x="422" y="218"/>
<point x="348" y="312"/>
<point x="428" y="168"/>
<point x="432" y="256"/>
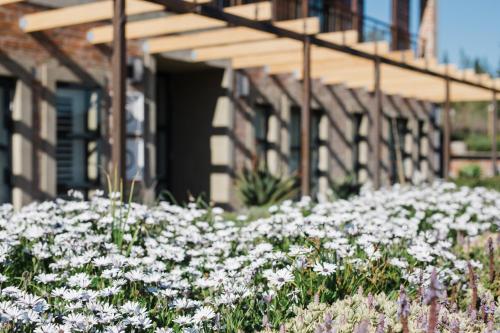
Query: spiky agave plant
<point x="259" y="187"/>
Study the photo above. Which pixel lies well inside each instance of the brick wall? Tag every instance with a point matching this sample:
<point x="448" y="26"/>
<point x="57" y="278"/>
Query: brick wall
<point x="66" y="45"/>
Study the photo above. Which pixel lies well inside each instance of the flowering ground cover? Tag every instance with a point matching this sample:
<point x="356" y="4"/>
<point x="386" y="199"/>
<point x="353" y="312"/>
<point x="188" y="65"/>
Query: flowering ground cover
<point x="105" y="266"/>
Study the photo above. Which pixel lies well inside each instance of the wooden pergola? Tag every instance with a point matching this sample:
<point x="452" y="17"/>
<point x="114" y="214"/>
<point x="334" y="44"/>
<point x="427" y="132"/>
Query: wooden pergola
<point x="249" y="37"/>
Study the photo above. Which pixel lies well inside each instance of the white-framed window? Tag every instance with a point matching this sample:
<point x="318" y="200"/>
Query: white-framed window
<point x="77" y="148"/>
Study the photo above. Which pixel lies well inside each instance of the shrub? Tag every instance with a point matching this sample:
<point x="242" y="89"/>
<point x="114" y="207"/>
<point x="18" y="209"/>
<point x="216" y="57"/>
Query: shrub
<point x="480" y="142"/>
<point x="188" y="269"/>
<point x="346" y="188"/>
<point x="489" y="182"/>
<point x="259" y="187"/>
<point x="379" y="313"/>
<point x="470" y="171"/>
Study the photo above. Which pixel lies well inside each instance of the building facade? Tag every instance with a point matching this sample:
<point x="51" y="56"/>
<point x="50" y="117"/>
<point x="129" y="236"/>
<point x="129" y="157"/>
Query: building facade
<point x="192" y="127"/>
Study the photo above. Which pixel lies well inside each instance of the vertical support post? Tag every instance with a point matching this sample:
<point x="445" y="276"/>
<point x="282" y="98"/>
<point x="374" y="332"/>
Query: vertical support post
<point x="119" y="90"/>
<point x="446" y="132"/>
<point x="494" y="132"/>
<point x="305" y="135"/>
<point x="377" y="125"/>
<point x="357" y="10"/>
<point x="274" y="10"/>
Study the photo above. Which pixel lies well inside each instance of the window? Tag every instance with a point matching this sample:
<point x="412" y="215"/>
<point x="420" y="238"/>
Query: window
<point x="315" y="144"/>
<point x="421" y="139"/>
<point x="398" y="129"/>
<point x="360" y="144"/>
<point x="261" y="126"/>
<point x="6" y="92"/>
<point x="294" y="162"/>
<point x="77" y="139"/>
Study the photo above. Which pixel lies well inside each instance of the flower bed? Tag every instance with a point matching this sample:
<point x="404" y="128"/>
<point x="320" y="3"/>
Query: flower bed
<point x="99" y="265"/>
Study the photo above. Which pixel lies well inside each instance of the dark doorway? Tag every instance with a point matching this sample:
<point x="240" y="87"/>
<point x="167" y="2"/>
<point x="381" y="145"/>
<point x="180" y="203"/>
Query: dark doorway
<point x="186" y="103"/>
<point x="6" y="95"/>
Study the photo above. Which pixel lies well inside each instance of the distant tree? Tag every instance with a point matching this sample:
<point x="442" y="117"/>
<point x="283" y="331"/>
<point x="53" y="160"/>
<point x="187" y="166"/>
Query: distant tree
<point x="446" y="58"/>
<point x="481" y="66"/>
<point x="465" y="60"/>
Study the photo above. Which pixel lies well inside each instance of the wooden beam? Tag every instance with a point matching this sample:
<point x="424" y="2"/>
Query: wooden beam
<point x="346" y="37"/>
<point x="206" y="38"/>
<point x="224" y="36"/>
<point x="373" y="47"/>
<point x="259" y="11"/>
<point x="155" y="27"/>
<point x="327" y="65"/>
<point x="6" y="2"/>
<point x="119" y="78"/>
<point x="79" y="14"/>
<point x="305" y="113"/>
<point x="279" y="45"/>
<point x="494" y="131"/>
<point x="305" y="121"/>
<point x="377" y="126"/>
<point x="446" y="132"/>
<point x="178" y="23"/>
<point x="317" y="54"/>
<point x="246" y="49"/>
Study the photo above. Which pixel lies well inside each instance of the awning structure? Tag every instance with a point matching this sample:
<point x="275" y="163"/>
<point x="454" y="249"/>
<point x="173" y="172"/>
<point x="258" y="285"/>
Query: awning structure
<point x="209" y="38"/>
<point x="248" y="36"/>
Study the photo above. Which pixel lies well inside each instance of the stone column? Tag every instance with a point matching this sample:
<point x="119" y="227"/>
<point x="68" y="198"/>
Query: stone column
<point x="48" y="131"/>
<point x="150" y="172"/>
<point x="22" y="145"/>
<point x="221" y="146"/>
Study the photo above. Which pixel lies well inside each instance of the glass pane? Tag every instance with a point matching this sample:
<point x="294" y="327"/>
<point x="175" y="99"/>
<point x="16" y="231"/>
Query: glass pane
<point x="135" y="158"/>
<point x="294" y="139"/>
<point x="77" y="146"/>
<point x="392" y="151"/>
<point x="261" y="124"/>
<point x="315" y="144"/>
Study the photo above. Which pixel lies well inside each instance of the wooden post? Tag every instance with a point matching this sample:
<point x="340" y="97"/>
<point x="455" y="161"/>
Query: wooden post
<point x="446" y="133"/>
<point x="305" y="133"/>
<point x="119" y="92"/>
<point x="494" y="132"/>
<point x="377" y="126"/>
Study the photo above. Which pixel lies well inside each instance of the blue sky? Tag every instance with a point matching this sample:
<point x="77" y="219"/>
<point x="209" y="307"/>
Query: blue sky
<point x="471" y="25"/>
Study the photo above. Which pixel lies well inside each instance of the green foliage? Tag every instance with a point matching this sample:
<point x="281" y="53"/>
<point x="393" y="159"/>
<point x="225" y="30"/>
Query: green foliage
<point x="200" y="200"/>
<point x="259" y="187"/>
<point x="470" y="171"/>
<point x="347" y="315"/>
<point x="480" y="142"/>
<point x="346" y="188"/>
<point x="490" y="182"/>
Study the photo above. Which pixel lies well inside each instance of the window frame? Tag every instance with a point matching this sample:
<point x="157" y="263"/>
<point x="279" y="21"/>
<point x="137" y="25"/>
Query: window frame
<point x="88" y="136"/>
